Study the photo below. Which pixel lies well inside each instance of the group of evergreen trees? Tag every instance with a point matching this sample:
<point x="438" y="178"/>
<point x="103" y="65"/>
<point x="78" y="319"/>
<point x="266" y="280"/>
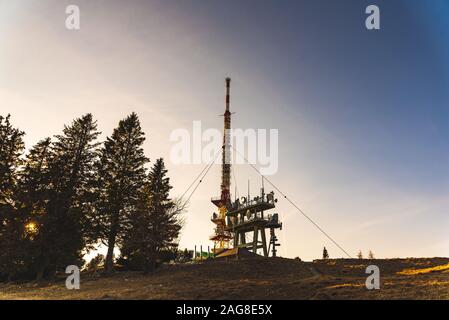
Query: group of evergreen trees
<point x="67" y="194"/>
<point x="359" y="254"/>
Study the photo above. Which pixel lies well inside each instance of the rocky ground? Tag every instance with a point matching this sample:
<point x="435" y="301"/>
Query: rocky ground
<point x="256" y="279"/>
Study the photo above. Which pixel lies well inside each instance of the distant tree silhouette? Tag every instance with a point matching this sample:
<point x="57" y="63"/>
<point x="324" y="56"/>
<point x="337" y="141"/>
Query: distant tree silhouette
<point x="370" y="255"/>
<point x="325" y="254"/>
<point x="185" y="256"/>
<point x="360" y="255"/>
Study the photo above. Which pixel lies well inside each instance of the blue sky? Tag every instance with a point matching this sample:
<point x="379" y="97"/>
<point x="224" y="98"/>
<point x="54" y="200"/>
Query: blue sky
<point x="363" y="116"/>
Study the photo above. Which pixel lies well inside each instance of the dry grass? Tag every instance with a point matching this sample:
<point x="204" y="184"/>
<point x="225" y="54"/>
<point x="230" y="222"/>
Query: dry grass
<point x="257" y="279"/>
<point x="413" y="271"/>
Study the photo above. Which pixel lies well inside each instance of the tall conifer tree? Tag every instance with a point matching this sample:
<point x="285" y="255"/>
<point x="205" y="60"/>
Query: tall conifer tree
<point x="11" y="149"/>
<point x="33" y="196"/>
<point x="121" y="175"/>
<point x="156" y="224"/>
<point x="71" y="171"/>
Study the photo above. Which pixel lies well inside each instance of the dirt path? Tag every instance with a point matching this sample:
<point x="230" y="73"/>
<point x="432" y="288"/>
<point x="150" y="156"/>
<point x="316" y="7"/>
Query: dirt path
<point x="314" y="271"/>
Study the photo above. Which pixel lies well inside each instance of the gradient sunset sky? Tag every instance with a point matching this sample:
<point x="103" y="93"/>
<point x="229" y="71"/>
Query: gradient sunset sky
<point x="363" y="116"/>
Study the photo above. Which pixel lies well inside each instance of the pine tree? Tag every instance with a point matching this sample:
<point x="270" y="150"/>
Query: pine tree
<point x="370" y="255"/>
<point x="156" y="223"/>
<point x="360" y="255"/>
<point x="325" y="254"/>
<point x="121" y="175"/>
<point x="32" y="197"/>
<point x="11" y="149"/>
<point x="34" y="181"/>
<point x="62" y="235"/>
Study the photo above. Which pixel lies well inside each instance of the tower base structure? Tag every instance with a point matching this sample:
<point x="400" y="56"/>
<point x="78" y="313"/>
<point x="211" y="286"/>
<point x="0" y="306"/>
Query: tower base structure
<point x="249" y="223"/>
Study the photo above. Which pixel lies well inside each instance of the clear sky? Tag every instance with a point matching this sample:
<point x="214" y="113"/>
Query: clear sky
<point x="363" y="116"/>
